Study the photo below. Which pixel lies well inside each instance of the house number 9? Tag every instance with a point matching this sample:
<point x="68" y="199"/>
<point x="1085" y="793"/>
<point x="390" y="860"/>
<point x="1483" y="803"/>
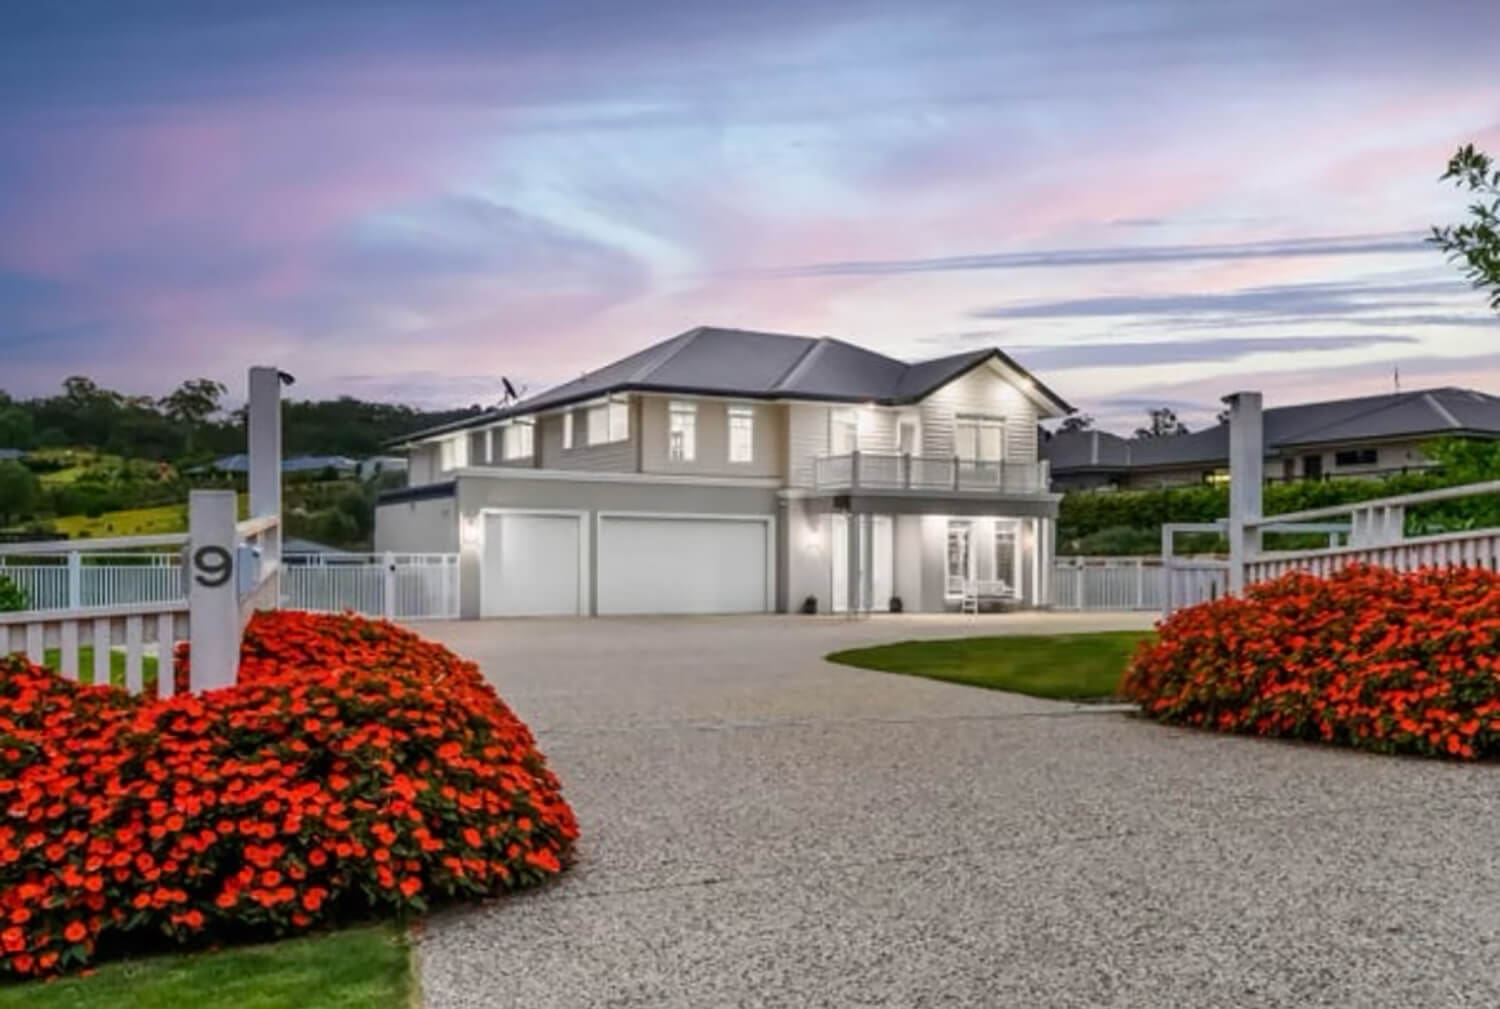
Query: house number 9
<point x="212" y="566"/>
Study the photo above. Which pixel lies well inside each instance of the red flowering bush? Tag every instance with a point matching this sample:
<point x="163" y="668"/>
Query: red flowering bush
<point x="354" y="769"/>
<point x="1399" y="663"/>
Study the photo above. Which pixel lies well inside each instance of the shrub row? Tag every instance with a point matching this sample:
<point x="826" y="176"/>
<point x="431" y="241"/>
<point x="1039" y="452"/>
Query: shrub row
<point x="1399" y="663"/>
<point x="354" y="769"/>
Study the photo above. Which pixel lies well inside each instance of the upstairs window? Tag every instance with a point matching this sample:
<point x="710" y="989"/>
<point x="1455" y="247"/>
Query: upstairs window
<point x="682" y="431"/>
<point x="741" y="434"/>
<point x="453" y="453"/>
<point x="843" y="432"/>
<point x="979" y="439"/>
<point x="609" y="422"/>
<point x="520" y="440"/>
<point x="568" y="429"/>
<point x="1355" y="457"/>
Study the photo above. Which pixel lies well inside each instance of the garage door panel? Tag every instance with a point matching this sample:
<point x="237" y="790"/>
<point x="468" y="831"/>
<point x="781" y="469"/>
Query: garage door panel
<point x="672" y="565"/>
<point x="531" y="565"/>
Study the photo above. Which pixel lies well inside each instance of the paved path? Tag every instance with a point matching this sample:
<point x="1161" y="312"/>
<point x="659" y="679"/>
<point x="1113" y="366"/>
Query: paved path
<point x="763" y="829"/>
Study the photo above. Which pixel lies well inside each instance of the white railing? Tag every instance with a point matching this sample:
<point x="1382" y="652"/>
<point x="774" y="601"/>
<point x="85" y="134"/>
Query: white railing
<point x="886" y="471"/>
<point x="393" y="586"/>
<point x="1376" y="534"/>
<point x="1137" y="583"/>
<point x="90" y="579"/>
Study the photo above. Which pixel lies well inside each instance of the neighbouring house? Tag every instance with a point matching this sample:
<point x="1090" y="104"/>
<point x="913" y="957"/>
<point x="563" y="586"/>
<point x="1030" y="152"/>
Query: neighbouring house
<point x="732" y="471"/>
<point x="1365" y="437"/>
<point x="376" y="465"/>
<point x="240" y="463"/>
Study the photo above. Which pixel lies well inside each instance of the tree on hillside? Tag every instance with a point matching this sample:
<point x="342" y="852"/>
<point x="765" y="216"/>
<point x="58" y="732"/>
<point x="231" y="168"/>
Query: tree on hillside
<point x="18" y="491"/>
<point x="1163" y="424"/>
<point x="16" y="426"/>
<point x="192" y="405"/>
<point x="1477" y="242"/>
<point x="194" y="401"/>
<point x="1076" y="422"/>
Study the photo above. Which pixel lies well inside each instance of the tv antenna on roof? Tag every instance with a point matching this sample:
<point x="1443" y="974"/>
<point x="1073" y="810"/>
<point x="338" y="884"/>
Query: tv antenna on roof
<point x="510" y="392"/>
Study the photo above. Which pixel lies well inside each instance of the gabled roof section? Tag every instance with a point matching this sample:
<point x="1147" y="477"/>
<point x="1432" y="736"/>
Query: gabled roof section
<point x="709" y="361"/>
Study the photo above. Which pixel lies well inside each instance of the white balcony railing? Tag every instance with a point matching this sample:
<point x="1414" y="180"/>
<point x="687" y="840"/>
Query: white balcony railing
<point x="886" y="471"/>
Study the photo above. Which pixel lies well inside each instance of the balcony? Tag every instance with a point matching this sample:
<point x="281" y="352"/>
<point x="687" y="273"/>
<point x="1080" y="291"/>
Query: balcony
<point x="875" y="471"/>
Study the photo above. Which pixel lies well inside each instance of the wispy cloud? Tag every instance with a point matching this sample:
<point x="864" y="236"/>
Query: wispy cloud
<point x="1118" y="255"/>
<point x="1145" y="353"/>
<point x="1314" y="299"/>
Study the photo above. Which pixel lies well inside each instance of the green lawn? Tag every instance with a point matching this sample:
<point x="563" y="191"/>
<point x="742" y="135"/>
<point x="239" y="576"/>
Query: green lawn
<point x="1063" y="666"/>
<point x="359" y="968"/>
<point x="52" y="659"/>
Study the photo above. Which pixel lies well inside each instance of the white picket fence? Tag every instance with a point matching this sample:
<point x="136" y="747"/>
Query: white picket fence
<point x="1107" y="583"/>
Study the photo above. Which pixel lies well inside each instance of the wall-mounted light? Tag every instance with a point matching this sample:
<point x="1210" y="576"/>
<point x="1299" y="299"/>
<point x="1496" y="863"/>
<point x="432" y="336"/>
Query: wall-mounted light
<point x="470" y="532"/>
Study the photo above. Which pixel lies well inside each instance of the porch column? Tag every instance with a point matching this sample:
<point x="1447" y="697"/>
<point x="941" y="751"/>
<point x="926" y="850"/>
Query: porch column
<point x="1045" y="553"/>
<point x="852" y="582"/>
<point x="867" y="562"/>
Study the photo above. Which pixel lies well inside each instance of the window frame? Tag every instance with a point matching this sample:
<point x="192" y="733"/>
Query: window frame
<point x="976" y="425"/>
<point x="615" y="425"/>
<point x="567" y="430"/>
<point x="1360" y="457"/>
<point x="682" y="431"/>
<point x="744" y="414"/>
<point x="524" y="432"/>
<point x="846" y="420"/>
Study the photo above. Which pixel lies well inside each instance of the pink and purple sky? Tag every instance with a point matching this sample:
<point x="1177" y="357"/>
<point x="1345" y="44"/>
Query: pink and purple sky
<point x="1146" y="203"/>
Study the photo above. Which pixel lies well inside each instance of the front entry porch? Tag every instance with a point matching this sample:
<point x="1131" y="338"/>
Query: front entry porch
<point x="866" y="555"/>
<point x="936" y="563"/>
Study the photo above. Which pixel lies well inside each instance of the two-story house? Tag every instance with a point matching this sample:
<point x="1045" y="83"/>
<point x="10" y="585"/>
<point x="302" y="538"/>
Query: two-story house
<point x="728" y="471"/>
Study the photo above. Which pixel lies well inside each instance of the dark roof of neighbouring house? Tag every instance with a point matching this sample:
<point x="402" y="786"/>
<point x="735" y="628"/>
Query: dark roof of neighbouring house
<point x="1423" y="413"/>
<point x="240" y="463"/>
<point x="709" y="361"/>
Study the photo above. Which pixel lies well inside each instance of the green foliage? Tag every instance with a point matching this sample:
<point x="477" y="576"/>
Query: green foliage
<point x="1119" y="523"/>
<point x="12" y="596"/>
<point x="1475" y="243"/>
<point x="359" y="968"/>
<point x="19" y="490"/>
<point x="189" y="425"/>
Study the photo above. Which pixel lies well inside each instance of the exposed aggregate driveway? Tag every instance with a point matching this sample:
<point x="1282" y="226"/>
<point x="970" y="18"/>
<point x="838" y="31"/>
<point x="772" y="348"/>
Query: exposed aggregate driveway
<point x="762" y="828"/>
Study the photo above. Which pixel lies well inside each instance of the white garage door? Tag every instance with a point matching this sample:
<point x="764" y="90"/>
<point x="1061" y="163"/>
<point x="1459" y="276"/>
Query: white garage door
<point x="531" y="565"/>
<point x="682" y="565"/>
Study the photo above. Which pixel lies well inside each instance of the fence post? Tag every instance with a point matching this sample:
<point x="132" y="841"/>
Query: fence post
<point x="1246" y="462"/>
<point x="388" y="595"/>
<point x="75" y="580"/>
<point x="1140" y="583"/>
<point x="213" y="592"/>
<point x="264" y="421"/>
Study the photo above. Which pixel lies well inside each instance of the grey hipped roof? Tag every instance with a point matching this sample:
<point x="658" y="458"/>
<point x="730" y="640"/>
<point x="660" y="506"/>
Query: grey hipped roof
<point x="1424" y="413"/>
<point x="709" y="361"/>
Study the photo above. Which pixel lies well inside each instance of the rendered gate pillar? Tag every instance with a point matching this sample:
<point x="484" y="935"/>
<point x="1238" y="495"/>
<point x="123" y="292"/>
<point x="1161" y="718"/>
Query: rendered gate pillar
<point x="1246" y="465"/>
<point x="852" y="582"/>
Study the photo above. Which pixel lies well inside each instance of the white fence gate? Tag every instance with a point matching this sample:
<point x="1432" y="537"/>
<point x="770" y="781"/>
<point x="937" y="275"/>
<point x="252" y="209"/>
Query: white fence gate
<point x="1108" y="583"/>
<point x="394" y="586"/>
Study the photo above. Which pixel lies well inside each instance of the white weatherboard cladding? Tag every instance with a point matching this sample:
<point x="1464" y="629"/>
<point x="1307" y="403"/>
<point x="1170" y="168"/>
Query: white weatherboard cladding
<point x="807" y="440"/>
<point x="661" y="564"/>
<point x="982" y="392"/>
<point x="531" y="565"/>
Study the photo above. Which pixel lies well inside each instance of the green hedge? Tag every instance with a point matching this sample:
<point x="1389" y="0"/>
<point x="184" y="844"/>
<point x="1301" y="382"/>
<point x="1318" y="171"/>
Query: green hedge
<point x="1116" y="523"/>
